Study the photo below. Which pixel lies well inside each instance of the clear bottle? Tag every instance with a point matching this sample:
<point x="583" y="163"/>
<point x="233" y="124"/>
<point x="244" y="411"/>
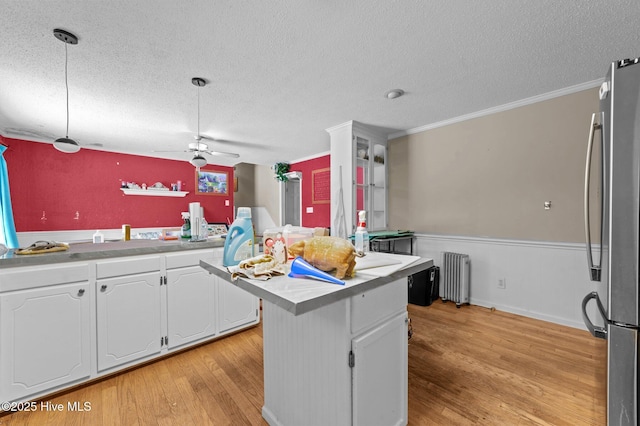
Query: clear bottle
<point x="361" y="235"/>
<point x="98" y="237"/>
<point x="204" y="229"/>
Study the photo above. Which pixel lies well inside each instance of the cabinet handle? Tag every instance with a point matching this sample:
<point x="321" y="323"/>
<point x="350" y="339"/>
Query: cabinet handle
<point x="81" y="292"/>
<point x="103" y="288"/>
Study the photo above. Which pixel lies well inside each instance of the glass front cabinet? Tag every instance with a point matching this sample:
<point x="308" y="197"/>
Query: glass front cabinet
<point x="359" y="179"/>
<point x="370" y="181"/>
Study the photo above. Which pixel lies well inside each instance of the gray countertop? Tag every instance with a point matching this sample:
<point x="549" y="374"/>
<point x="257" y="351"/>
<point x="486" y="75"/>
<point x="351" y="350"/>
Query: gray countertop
<point x="300" y="295"/>
<point x="89" y="251"/>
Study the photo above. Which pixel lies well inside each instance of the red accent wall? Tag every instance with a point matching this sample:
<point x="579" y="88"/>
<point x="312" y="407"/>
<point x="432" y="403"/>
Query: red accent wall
<point x="48" y="187"/>
<point x="321" y="215"/>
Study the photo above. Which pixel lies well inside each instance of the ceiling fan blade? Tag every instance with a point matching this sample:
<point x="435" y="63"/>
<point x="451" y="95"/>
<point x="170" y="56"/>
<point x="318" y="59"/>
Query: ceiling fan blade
<point x="252" y="145"/>
<point x="223" y="154"/>
<point x="173" y="150"/>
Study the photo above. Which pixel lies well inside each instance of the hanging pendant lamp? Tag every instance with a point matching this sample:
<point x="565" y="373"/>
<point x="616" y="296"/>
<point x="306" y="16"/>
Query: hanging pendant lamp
<point x="66" y="144"/>
<point x="198" y="160"/>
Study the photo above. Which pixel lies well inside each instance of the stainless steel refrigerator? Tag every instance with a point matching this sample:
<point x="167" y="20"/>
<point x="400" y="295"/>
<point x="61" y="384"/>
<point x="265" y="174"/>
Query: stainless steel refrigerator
<point x="615" y="135"/>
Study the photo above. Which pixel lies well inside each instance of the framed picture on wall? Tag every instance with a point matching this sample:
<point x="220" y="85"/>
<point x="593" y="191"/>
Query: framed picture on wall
<point x="321" y="186"/>
<point x="210" y="182"/>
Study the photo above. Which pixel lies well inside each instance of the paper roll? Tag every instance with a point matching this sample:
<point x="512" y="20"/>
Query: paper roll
<point x="195" y="215"/>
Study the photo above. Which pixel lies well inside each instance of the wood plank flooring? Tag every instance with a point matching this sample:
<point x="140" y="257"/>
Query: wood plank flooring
<point x="477" y="366"/>
<point x="467" y="366"/>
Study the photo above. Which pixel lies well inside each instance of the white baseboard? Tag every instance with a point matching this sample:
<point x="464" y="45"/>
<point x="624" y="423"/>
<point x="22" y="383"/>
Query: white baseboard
<point x="544" y="280"/>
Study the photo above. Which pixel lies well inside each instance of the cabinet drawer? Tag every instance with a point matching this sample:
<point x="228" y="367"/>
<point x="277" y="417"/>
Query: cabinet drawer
<point x="41" y="276"/>
<point x="375" y="305"/>
<point x="190" y="258"/>
<point x="127" y="266"/>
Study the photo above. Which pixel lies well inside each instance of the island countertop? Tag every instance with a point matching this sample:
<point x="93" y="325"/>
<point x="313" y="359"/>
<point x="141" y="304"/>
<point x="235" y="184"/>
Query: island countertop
<point x="301" y="295"/>
<point x="89" y="251"/>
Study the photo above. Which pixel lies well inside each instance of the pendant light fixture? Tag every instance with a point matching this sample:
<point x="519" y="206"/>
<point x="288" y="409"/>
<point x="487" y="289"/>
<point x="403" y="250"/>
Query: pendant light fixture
<point x="66" y="144"/>
<point x="198" y="160"/>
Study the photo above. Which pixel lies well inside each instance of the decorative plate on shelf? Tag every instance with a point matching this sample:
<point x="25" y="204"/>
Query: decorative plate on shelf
<point x="158" y="187"/>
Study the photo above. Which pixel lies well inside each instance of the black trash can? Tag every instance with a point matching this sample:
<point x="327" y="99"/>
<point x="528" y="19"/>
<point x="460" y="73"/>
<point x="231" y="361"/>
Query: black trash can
<point x="423" y="286"/>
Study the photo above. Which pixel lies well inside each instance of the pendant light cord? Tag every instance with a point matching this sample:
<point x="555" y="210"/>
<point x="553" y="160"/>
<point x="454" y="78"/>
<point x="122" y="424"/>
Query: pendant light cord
<point x="66" y="84"/>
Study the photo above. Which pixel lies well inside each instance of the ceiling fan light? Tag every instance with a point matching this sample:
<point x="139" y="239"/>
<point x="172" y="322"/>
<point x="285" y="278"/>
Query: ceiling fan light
<point x="198" y="161"/>
<point x="66" y="145"/>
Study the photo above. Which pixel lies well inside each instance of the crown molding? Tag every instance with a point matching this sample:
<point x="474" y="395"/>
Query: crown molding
<point x="500" y="108"/>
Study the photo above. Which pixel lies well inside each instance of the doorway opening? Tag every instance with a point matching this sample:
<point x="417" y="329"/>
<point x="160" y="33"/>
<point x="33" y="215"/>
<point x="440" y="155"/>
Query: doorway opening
<point x="291" y="200"/>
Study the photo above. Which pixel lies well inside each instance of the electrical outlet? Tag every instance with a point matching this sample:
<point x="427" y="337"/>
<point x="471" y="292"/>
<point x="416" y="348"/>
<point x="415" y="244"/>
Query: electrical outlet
<point x="502" y="283"/>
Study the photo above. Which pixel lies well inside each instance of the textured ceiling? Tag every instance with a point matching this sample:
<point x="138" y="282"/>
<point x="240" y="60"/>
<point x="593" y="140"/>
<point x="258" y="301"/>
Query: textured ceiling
<point x="282" y="72"/>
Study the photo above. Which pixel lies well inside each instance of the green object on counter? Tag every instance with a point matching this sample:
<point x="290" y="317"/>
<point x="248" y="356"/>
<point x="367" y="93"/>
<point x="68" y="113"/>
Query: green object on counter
<point x="185" y="232"/>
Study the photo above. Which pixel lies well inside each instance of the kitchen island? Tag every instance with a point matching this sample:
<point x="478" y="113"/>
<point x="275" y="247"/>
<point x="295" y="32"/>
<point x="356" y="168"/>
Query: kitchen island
<point x="335" y="354"/>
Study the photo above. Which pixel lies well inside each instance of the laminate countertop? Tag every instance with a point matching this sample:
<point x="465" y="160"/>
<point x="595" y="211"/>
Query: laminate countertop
<point x="88" y="251"/>
<point x="301" y="295"/>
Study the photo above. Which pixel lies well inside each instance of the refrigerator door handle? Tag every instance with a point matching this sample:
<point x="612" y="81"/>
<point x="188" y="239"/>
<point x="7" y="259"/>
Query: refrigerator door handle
<point x="600" y="332"/>
<point x="594" y="270"/>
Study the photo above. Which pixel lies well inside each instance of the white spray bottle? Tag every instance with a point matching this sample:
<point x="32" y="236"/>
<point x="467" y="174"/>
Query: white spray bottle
<point x="361" y="235"/>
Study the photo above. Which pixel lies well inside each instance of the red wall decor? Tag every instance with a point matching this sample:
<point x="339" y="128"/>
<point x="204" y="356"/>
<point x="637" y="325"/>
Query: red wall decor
<point x="54" y="191"/>
<point x="321" y="186"/>
<point x="321" y="215"/>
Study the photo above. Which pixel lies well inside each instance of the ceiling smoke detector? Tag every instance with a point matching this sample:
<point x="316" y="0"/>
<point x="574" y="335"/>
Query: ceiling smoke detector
<point x="395" y="93"/>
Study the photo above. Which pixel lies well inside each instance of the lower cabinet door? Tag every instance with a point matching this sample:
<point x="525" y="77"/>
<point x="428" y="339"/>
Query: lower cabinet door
<point x="236" y="308"/>
<point x="45" y="340"/>
<point x="128" y="318"/>
<point x="190" y="305"/>
<point x="380" y="386"/>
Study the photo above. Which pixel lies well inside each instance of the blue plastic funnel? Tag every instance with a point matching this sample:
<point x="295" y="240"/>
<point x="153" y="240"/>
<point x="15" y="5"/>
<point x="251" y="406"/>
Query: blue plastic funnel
<point x="300" y="268"/>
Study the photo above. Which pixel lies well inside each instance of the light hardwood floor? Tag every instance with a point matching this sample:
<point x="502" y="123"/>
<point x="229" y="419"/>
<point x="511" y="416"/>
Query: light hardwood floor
<point x="466" y="366"/>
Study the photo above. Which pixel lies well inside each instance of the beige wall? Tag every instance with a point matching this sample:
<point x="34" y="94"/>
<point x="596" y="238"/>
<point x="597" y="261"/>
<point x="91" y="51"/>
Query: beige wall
<point x="490" y="176"/>
<point x="245" y="195"/>
<point x="257" y="188"/>
<point x="267" y="189"/>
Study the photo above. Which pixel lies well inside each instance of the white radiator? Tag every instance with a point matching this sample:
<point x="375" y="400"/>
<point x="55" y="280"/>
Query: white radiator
<point x="454" y="278"/>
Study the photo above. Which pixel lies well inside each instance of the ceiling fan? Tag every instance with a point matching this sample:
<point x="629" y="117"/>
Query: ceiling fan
<point x="198" y="147"/>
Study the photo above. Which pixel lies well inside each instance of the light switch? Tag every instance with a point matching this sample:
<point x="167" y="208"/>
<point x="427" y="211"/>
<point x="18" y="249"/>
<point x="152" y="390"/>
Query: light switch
<point x="309" y="209"/>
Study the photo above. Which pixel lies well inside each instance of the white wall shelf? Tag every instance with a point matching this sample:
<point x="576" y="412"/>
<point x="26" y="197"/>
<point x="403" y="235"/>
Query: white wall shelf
<point x="154" y="192"/>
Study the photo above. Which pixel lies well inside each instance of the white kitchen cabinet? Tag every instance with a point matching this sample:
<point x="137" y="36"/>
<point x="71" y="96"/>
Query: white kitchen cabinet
<point x="370" y="179"/>
<point x="227" y="307"/>
<point x="237" y="307"/>
<point x="64" y="324"/>
<point x="128" y="310"/>
<point x="191" y="305"/>
<point x="45" y="331"/>
<point x="359" y="167"/>
<point x="380" y="374"/>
